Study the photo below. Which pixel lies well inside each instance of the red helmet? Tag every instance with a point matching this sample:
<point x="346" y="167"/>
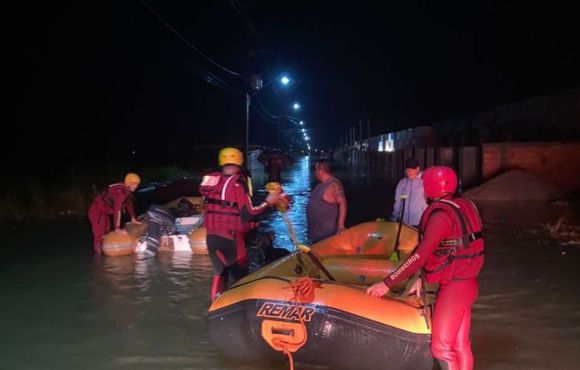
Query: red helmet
<point x="439" y="181"/>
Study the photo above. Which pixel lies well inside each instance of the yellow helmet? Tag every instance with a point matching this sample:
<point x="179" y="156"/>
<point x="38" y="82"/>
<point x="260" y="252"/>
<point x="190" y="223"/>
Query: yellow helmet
<point x="132" y="178"/>
<point x="230" y="156"/>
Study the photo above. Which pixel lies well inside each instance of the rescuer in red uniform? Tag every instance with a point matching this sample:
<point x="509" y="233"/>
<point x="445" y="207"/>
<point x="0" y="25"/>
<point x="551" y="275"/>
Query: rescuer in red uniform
<point x="228" y="217"/>
<point x="451" y="254"/>
<point x="111" y="202"/>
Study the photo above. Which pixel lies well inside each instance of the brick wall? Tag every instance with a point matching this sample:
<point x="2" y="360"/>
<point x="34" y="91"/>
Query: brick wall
<point x="559" y="163"/>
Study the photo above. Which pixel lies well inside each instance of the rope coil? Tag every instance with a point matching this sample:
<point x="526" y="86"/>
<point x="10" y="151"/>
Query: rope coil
<point x="302" y="292"/>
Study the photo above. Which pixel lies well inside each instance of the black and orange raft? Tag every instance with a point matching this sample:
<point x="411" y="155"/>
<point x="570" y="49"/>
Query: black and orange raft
<point x="122" y="244"/>
<point x="312" y="305"/>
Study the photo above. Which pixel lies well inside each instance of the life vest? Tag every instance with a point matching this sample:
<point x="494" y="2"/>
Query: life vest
<point x="461" y="255"/>
<point x="107" y="200"/>
<point x="222" y="211"/>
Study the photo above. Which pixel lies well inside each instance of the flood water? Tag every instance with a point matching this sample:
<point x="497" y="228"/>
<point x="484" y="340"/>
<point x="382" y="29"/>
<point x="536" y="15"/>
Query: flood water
<point x="62" y="308"/>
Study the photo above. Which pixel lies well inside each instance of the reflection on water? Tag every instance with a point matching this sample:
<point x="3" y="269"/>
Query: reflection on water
<point x="296" y="183"/>
<point x="61" y="308"/>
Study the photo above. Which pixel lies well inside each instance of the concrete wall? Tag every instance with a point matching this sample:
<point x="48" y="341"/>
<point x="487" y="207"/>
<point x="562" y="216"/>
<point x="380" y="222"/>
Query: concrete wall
<point x="469" y="165"/>
<point x="559" y="163"/>
<point x="465" y="160"/>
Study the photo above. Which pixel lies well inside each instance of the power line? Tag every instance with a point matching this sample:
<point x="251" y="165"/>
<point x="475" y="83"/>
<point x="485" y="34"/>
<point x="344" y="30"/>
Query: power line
<point x="211" y="78"/>
<point x="291" y="119"/>
<point x="245" y="18"/>
<point x="201" y="71"/>
<point x="265" y="110"/>
<point x="162" y="20"/>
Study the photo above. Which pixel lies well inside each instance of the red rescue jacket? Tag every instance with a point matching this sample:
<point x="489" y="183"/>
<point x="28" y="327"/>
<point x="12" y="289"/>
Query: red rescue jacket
<point x="460" y="255"/>
<point x="113" y="200"/>
<point x="228" y="208"/>
<point x="451" y="246"/>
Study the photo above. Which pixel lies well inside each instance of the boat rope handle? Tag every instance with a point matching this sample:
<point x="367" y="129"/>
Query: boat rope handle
<point x="302" y="292"/>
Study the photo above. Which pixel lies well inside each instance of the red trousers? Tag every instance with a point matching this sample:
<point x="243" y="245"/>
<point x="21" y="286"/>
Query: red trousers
<point x="450" y="344"/>
<point x="100" y="224"/>
<point x="227" y="256"/>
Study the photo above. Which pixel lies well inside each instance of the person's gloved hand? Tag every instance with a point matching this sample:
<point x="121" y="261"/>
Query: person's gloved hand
<point x="273" y="198"/>
<point x="416" y="288"/>
<point x="283" y="201"/>
<point x="378" y="289"/>
<point x="283" y="204"/>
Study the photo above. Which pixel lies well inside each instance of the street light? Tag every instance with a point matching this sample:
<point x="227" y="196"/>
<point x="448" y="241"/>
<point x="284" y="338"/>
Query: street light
<point x="296" y="106"/>
<point x="257" y="86"/>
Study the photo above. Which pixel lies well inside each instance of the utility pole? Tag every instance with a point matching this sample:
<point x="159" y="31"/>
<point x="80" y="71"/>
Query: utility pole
<point x="247" y="139"/>
<point x="368" y="143"/>
<point x="352" y="139"/>
<point x="278" y="133"/>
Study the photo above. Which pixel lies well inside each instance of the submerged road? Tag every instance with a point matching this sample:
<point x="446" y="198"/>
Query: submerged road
<point x="61" y="308"/>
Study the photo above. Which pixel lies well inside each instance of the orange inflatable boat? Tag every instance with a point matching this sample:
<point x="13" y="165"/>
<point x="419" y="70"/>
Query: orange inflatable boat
<point x="312" y="305"/>
<point x="127" y="242"/>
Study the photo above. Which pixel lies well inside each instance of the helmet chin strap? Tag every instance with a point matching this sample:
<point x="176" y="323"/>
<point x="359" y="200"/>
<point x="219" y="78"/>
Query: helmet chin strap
<point x="431" y="200"/>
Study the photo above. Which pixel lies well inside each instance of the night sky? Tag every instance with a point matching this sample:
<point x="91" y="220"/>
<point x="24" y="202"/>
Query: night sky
<point x="124" y="81"/>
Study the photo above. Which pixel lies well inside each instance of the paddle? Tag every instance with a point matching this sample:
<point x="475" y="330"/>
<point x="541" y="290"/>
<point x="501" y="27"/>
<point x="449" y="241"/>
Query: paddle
<point x="283" y="207"/>
<point x="301" y="247"/>
<point x="306" y="250"/>
<point x="395" y="256"/>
